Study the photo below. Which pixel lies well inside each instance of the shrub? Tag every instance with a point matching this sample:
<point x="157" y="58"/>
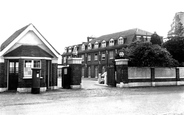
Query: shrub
<point x="148" y="55"/>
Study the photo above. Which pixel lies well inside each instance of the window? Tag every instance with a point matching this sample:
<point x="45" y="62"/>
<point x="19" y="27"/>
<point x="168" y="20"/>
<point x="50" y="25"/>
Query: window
<point x="70" y="50"/>
<point x="27" y="68"/>
<point x="83" y="47"/>
<point x="121" y="40"/>
<point x="36" y="64"/>
<point x="89" y="57"/>
<point x="64" y="59"/>
<point x="111" y="55"/>
<point x="75" y="52"/>
<point x="96" y="44"/>
<point x="28" y="65"/>
<point x="89" y="46"/>
<point x="96" y="56"/>
<point x="103" y="56"/>
<point x="111" y="42"/>
<point x="103" y="43"/>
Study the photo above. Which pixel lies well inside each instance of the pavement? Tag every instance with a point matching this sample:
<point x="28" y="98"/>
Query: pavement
<point x="93" y="99"/>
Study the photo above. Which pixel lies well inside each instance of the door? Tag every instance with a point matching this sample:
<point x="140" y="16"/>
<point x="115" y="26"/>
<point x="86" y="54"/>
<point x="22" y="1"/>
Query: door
<point x="111" y="77"/>
<point x="13" y="74"/>
<point x="48" y="74"/>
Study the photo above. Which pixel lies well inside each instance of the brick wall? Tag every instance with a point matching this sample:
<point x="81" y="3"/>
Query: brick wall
<point x="27" y="83"/>
<point x="54" y="75"/>
<point x="2" y="75"/>
<point x="76" y="74"/>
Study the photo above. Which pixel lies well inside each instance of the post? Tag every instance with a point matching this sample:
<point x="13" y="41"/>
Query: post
<point x="76" y="72"/>
<point x="122" y="71"/>
<point x="177" y="76"/>
<point x="152" y="76"/>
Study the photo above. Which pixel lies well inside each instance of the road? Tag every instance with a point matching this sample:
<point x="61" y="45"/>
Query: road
<point x="98" y="100"/>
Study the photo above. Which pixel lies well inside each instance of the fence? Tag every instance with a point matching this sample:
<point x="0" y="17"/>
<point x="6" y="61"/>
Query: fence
<point x="146" y="76"/>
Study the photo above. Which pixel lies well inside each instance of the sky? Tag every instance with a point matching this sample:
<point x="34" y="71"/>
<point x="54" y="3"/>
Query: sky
<point x="68" y="22"/>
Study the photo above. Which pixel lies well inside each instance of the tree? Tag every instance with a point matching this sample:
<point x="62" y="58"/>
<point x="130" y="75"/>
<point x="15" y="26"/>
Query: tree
<point x="149" y="55"/>
<point x="176" y="48"/>
<point x="156" y="39"/>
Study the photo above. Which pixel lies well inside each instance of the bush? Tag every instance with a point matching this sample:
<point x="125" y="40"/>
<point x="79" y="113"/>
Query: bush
<point x="156" y="39"/>
<point x="176" y="48"/>
<point x="148" y="55"/>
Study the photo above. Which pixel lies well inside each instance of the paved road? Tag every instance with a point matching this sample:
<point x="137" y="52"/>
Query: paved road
<point x="96" y="101"/>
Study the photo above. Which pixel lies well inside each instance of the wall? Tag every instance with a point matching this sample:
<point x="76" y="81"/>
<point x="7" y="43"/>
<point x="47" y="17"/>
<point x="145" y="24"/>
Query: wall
<point x="146" y="76"/>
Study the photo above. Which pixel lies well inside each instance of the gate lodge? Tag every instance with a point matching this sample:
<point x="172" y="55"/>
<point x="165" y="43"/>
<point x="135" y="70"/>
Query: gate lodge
<point x="20" y="53"/>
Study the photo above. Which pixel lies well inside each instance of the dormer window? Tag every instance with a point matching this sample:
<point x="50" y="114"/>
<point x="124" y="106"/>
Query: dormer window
<point x="83" y="47"/>
<point x="75" y="50"/>
<point x="70" y="50"/>
<point x="103" y="43"/>
<point x="89" y="46"/>
<point x="121" y="40"/>
<point x="111" y="42"/>
<point x="96" y="45"/>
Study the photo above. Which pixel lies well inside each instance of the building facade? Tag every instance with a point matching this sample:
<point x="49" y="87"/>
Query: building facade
<point x="177" y="24"/>
<point x="99" y="53"/>
<point x="20" y="53"/>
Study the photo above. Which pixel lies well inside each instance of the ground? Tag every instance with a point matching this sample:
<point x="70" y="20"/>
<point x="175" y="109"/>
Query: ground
<point x="96" y="100"/>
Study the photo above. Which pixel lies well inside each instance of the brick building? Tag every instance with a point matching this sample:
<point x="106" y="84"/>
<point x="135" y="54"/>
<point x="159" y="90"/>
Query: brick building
<point x="177" y="25"/>
<point x="98" y="53"/>
<point x="22" y="51"/>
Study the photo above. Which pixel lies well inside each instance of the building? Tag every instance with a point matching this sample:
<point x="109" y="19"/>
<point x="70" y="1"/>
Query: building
<point x="177" y="24"/>
<point x="26" y="49"/>
<point x="99" y="53"/>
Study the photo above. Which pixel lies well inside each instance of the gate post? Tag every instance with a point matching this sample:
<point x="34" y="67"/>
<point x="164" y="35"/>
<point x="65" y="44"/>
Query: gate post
<point x="122" y="72"/>
<point x="76" y="72"/>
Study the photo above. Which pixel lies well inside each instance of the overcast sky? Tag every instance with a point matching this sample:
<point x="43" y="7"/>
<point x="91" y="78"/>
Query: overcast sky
<point x="68" y="22"/>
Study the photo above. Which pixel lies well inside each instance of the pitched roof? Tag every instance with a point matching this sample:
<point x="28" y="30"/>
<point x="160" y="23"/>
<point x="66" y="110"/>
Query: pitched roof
<point x="12" y="37"/>
<point x="127" y="33"/>
<point x="28" y="51"/>
<point x="18" y="32"/>
<point x="46" y="40"/>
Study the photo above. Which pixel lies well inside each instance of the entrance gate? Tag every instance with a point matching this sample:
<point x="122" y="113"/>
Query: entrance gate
<point x="111" y="81"/>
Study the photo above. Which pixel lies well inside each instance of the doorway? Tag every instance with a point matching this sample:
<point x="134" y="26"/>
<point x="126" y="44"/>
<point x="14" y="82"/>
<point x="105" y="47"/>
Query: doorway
<point x="48" y="74"/>
<point x="13" y="74"/>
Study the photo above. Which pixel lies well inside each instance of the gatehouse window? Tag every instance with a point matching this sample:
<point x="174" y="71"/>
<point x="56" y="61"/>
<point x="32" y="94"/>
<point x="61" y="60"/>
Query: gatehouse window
<point x="28" y="65"/>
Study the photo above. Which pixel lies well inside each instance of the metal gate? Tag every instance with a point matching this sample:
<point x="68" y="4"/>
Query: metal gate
<point x="111" y="81"/>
